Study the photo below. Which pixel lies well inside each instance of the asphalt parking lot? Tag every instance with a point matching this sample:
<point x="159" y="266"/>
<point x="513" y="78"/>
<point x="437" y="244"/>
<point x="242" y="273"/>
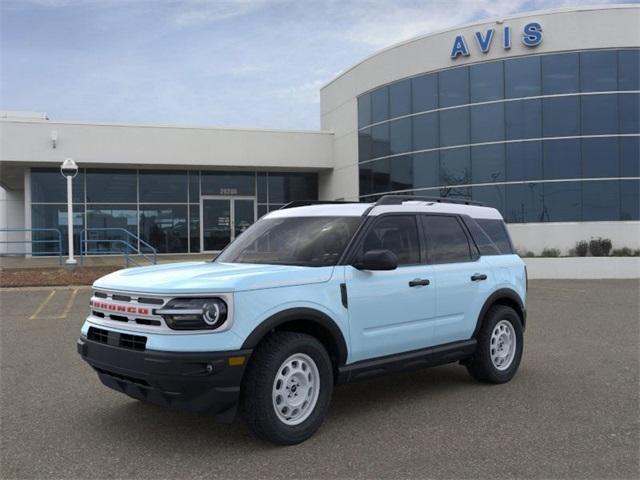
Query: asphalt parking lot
<point x="571" y="412"/>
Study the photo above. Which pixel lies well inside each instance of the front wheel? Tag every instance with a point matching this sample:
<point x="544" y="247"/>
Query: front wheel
<point x="500" y="346"/>
<point x="287" y="388"/>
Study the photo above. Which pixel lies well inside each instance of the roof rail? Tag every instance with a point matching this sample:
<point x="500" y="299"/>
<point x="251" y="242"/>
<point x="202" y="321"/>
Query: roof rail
<point x="398" y="199"/>
<point x="306" y="203"/>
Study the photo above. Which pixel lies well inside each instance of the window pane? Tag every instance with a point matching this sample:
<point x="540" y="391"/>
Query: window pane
<point x="426" y="170"/>
<point x="446" y="240"/>
<point x="400" y="135"/>
<point x="261" y="186"/>
<point x="630" y="157"/>
<point x="366" y="178"/>
<point x="165" y="227"/>
<point x="497" y="231"/>
<point x="227" y="183"/>
<point x="560" y="73"/>
<point x="48" y="185"/>
<point x="524" y="203"/>
<point x="287" y="187"/>
<point x="380" y="105"/>
<point x="454" y="127"/>
<point x="364" y="144"/>
<point x="562" y="159"/>
<point x="402" y="173"/>
<point x="163" y="186"/>
<point x="380" y="140"/>
<point x="599" y="71"/>
<point x="53" y="216"/>
<point x="524" y="161"/>
<point x="454" y="87"/>
<point x="629" y="113"/>
<point x="112" y="186"/>
<point x="491" y="196"/>
<point x="194" y="186"/>
<point x="455" y="166"/>
<point x="523" y="119"/>
<point x="381" y="176"/>
<point x="400" y="98"/>
<point x="629" y="69"/>
<point x="487" y="82"/>
<point x="487" y="123"/>
<point x="562" y="201"/>
<point x="600" y="157"/>
<point x="601" y="200"/>
<point x="425" y="131"/>
<point x="364" y="110"/>
<point x="194" y="228"/>
<point x="107" y="226"/>
<point x="561" y="116"/>
<point x="522" y="77"/>
<point x="262" y="210"/>
<point x="397" y="233"/>
<point x="487" y="164"/>
<point x="599" y="114"/>
<point x="629" y="203"/>
<point x="424" y="93"/>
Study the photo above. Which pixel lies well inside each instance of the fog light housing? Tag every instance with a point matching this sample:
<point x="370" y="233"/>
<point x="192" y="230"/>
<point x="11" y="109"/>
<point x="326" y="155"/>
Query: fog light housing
<point x="194" y="313"/>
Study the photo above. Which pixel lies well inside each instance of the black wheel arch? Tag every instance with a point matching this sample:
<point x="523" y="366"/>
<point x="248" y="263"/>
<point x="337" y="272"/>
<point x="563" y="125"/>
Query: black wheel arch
<point x="503" y="296"/>
<point x="304" y="320"/>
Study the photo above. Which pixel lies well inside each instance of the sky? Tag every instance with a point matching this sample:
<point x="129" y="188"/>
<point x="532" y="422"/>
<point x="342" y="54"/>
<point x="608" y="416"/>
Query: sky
<point x="226" y="63"/>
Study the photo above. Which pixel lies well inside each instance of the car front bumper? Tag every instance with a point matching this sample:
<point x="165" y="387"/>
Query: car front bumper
<point x="207" y="382"/>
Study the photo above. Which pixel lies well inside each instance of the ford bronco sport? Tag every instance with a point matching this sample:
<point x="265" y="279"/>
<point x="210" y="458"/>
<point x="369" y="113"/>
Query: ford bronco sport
<point x="310" y="297"/>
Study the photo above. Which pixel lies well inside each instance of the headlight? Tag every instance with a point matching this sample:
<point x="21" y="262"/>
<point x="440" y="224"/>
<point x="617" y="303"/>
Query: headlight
<point x="194" y="313"/>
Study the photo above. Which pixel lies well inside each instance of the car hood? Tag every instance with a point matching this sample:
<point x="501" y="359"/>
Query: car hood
<point x="210" y="277"/>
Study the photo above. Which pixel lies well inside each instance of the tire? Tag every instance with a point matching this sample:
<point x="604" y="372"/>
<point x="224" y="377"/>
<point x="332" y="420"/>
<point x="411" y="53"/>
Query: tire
<point x="286" y="370"/>
<point x="495" y="360"/>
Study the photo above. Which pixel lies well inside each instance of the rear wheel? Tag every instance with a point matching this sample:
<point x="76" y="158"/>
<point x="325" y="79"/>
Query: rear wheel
<point x="287" y="388"/>
<point x="500" y="346"/>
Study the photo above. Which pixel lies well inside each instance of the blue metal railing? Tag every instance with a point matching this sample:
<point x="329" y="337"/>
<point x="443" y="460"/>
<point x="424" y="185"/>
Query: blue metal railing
<point x="31" y="241"/>
<point x="131" y="245"/>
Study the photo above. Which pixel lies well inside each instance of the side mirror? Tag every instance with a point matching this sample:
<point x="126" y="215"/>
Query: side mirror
<point x="377" y="260"/>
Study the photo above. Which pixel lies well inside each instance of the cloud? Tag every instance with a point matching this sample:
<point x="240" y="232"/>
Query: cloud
<point x="192" y="12"/>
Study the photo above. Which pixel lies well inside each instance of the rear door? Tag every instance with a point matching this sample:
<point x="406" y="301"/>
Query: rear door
<point x="463" y="278"/>
<point x="391" y="311"/>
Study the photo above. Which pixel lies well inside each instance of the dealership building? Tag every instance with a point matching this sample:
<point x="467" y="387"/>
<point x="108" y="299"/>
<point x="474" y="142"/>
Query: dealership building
<point x="536" y="115"/>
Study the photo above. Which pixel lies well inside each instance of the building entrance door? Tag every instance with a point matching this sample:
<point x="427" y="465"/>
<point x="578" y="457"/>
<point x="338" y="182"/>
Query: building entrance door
<point x="222" y="219"/>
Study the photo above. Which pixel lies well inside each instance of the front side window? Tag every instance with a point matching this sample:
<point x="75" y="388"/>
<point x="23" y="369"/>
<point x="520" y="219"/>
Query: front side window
<point x="302" y="241"/>
<point x="397" y="233"/>
<point x="446" y="240"/>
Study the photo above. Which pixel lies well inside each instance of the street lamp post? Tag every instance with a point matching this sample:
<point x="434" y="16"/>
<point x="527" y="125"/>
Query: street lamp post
<point x="69" y="170"/>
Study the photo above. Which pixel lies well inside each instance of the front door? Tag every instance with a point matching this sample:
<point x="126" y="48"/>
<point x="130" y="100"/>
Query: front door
<point x="222" y="219"/>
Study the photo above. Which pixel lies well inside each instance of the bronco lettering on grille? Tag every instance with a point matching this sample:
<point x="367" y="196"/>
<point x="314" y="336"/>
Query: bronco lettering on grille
<point x="118" y="308"/>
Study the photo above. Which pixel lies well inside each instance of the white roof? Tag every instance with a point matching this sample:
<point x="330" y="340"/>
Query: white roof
<point x="357" y="209"/>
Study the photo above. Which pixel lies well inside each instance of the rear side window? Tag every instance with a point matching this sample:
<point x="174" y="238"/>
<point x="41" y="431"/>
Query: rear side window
<point x="446" y="240"/>
<point x="497" y="232"/>
<point x="398" y="233"/>
<point x="485" y="245"/>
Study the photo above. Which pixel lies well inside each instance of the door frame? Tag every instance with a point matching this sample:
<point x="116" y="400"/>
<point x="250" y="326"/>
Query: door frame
<point x="232" y="211"/>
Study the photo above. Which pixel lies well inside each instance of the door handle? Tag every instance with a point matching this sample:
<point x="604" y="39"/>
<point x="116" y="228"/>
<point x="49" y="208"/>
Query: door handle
<point x="419" y="282"/>
<point x="478" y="276"/>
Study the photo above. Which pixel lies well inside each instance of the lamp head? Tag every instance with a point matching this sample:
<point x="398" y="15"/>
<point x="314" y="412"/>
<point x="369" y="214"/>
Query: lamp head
<point x="69" y="168"/>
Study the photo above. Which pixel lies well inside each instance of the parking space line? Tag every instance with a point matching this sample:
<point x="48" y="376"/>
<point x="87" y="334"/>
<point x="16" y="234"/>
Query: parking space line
<point x="72" y="297"/>
<point x="42" y="305"/>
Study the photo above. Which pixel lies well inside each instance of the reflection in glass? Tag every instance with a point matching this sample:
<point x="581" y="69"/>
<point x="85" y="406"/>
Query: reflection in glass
<point x="454" y="87"/>
<point x="599" y="114"/>
<point x="105" y="225"/>
<point x="487" y="123"/>
<point x="629" y="69"/>
<point x="562" y="201"/>
<point x="488" y="164"/>
<point x="491" y="196"/>
<point x="426" y="169"/>
<point x="561" y="116"/>
<point x="228" y="183"/>
<point x="487" y="81"/>
<point x="629" y="204"/>
<point x="400" y="98"/>
<point x="524" y="203"/>
<point x="522" y="77"/>
<point x="402" y="173"/>
<point x="630" y="157"/>
<point x="243" y="216"/>
<point x="380" y="140"/>
<point x="523" y="119"/>
<point x="455" y="166"/>
<point x="165" y="227"/>
<point x="524" y="161"/>
<point x="112" y="186"/>
<point x="400" y="135"/>
<point x="562" y="159"/>
<point x="600" y="157"/>
<point x="163" y="186"/>
<point x="600" y="200"/>
<point x="599" y="71"/>
<point x="365" y="144"/>
<point x="53" y="216"/>
<point x="286" y="187"/>
<point x="364" y="110"/>
<point x="560" y="73"/>
<point x="194" y="227"/>
<point x="629" y="113"/>
<point x="454" y="127"/>
<point x="425" y="131"/>
<point x="424" y="93"/>
<point x="380" y="104"/>
<point x="48" y="185"/>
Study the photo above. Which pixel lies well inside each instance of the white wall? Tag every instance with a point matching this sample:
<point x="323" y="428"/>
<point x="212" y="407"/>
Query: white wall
<point x="591" y="268"/>
<point x="11" y="216"/>
<point x="537" y="236"/>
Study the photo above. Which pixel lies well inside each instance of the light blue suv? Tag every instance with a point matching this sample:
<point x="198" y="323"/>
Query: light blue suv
<point x="310" y="297"/>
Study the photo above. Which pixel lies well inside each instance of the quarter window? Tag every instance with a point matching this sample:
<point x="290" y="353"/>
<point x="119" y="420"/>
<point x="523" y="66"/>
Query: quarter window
<point x="397" y="233"/>
<point x="446" y="240"/>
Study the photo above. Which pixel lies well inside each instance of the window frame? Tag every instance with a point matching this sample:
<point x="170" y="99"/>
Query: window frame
<point x="474" y="254"/>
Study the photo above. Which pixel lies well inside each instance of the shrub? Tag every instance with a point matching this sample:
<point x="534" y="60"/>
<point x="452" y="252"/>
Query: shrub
<point x="625" y="252"/>
<point x="550" y="252"/>
<point x="525" y="253"/>
<point x="581" y="248"/>
<point x="600" y="247"/>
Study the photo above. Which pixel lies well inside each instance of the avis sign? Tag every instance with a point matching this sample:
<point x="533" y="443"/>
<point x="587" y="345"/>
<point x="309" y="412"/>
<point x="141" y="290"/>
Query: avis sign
<point x="531" y="37"/>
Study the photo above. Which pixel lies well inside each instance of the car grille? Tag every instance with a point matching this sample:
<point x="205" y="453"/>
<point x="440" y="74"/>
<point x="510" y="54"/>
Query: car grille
<point x="130" y="309"/>
<point x="116" y="339"/>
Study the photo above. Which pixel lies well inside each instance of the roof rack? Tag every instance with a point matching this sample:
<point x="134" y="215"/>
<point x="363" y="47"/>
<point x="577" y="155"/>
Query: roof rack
<point x="398" y="199"/>
<point x="306" y="203"/>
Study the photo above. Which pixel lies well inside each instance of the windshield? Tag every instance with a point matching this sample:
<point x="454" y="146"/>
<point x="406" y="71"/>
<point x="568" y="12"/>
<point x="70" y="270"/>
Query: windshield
<point x="304" y="241"/>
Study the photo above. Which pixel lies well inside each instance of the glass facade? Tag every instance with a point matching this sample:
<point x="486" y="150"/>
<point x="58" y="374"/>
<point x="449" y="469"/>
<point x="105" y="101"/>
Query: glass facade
<point x="544" y="138"/>
<point x="162" y="207"/>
